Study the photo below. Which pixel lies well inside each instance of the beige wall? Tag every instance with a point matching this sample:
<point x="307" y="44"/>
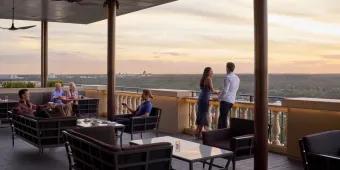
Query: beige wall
<point x="174" y="113"/>
<point x="308" y="116"/>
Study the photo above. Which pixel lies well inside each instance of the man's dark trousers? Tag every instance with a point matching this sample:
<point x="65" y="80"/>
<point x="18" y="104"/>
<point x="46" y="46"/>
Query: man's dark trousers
<point x="225" y="108"/>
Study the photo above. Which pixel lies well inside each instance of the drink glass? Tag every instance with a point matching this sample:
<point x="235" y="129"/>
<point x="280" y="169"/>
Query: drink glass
<point x="178" y="146"/>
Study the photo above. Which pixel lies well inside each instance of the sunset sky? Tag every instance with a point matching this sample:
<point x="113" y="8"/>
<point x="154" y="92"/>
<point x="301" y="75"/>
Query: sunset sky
<point x="184" y="37"/>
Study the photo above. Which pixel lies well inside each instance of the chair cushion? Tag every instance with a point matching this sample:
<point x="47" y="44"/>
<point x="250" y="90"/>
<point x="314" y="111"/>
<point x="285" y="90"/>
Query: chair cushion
<point x="241" y="127"/>
<point x="105" y="146"/>
<point x="323" y="143"/>
<point x="160" y="152"/>
<point x="145" y="146"/>
<point x="223" y="144"/>
<point x="105" y="134"/>
<point x="155" y="111"/>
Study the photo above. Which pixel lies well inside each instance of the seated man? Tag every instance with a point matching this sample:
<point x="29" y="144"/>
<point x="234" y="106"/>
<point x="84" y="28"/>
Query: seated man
<point x="143" y="110"/>
<point x="58" y="97"/>
<point x="25" y="107"/>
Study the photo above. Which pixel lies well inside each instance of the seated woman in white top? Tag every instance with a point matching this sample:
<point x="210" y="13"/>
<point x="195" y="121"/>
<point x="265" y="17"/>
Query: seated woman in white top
<point x="71" y="96"/>
<point x="73" y="92"/>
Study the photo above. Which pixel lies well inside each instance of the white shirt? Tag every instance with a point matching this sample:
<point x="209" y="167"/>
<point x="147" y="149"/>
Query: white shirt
<point x="231" y="85"/>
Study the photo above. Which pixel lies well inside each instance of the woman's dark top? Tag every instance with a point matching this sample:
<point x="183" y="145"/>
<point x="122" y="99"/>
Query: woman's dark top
<point x="203" y="105"/>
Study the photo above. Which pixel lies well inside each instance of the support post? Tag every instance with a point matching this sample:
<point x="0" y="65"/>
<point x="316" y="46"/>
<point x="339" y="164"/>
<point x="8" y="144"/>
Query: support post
<point x="261" y="85"/>
<point x="111" y="54"/>
<point x="44" y="52"/>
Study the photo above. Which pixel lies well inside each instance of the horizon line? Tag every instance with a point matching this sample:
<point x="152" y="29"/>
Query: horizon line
<point x="178" y="74"/>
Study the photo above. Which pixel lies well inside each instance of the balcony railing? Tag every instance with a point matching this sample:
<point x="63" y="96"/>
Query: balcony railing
<point x="277" y="117"/>
<point x="132" y="99"/>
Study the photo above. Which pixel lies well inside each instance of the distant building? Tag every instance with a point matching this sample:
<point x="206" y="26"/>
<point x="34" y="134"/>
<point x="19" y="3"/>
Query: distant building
<point x="52" y="76"/>
<point x="10" y="77"/>
<point x="145" y="74"/>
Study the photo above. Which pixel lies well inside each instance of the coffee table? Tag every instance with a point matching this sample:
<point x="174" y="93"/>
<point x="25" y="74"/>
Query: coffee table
<point x="92" y="122"/>
<point x="190" y="152"/>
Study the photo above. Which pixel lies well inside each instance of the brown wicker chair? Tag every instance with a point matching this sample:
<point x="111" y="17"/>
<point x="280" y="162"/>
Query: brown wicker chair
<point x="142" y="124"/>
<point x="41" y="132"/>
<point x="86" y="107"/>
<point x="4" y="108"/>
<point x="95" y="148"/>
<point x="239" y="138"/>
<point x="321" y="151"/>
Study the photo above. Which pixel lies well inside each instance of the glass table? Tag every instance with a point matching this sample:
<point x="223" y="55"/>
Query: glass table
<point x="93" y="122"/>
<point x="190" y="152"/>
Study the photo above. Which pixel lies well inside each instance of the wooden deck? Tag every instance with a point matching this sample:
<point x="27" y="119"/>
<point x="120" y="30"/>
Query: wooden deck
<point x="25" y="156"/>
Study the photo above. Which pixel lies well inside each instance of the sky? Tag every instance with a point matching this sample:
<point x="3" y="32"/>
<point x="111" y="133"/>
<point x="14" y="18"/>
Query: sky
<point x="183" y="37"/>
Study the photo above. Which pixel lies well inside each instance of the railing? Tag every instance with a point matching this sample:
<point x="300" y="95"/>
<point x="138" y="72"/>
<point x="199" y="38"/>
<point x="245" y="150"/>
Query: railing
<point x="241" y="97"/>
<point x="246" y="97"/>
<point x="132" y="99"/>
<point x="277" y="115"/>
<point x="277" y="118"/>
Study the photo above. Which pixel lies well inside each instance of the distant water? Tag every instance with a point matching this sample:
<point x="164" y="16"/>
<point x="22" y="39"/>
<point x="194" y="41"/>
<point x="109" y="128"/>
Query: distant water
<point x="323" y="86"/>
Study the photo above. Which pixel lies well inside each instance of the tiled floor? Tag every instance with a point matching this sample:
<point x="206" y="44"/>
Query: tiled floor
<point x="26" y="157"/>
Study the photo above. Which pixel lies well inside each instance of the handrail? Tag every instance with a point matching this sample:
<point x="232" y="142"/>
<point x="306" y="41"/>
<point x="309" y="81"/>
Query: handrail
<point x="277" y="117"/>
<point x="277" y="114"/>
<point x="194" y="93"/>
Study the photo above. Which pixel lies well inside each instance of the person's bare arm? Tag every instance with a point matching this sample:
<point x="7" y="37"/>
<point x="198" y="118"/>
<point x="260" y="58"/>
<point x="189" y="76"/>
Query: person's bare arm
<point x="211" y="86"/>
<point x="129" y="109"/>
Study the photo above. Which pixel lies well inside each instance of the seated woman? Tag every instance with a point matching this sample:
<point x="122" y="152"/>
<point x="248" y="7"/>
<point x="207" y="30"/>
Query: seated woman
<point x="73" y="92"/>
<point x="72" y="96"/>
<point x="143" y="110"/>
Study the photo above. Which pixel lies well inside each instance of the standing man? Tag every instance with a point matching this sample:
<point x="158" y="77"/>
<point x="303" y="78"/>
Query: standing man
<point x="228" y="95"/>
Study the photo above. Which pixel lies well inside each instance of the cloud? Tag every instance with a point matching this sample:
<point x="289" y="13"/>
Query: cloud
<point x="29" y="37"/>
<point x="170" y="53"/>
<point x="205" y="33"/>
<point x="206" y="12"/>
<point x="331" y="56"/>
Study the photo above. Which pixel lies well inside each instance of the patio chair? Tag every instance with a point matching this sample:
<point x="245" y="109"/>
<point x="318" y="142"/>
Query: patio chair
<point x="86" y="108"/>
<point x="142" y="124"/>
<point x="95" y="148"/>
<point x="321" y="151"/>
<point x="239" y="138"/>
<point x="40" y="132"/>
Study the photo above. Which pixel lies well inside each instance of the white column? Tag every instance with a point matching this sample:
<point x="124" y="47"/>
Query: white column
<point x="193" y="115"/>
<point x="276" y="128"/>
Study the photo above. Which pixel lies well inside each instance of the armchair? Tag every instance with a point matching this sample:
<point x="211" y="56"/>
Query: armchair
<point x="321" y="150"/>
<point x="141" y="124"/>
<point x="40" y="132"/>
<point x="93" y="148"/>
<point x="239" y="138"/>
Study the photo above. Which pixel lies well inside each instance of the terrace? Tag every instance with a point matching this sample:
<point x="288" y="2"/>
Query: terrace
<point x="179" y="113"/>
<point x="55" y="159"/>
<point x="288" y="120"/>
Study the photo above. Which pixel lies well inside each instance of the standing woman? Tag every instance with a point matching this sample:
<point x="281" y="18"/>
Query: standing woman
<point x="207" y="88"/>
